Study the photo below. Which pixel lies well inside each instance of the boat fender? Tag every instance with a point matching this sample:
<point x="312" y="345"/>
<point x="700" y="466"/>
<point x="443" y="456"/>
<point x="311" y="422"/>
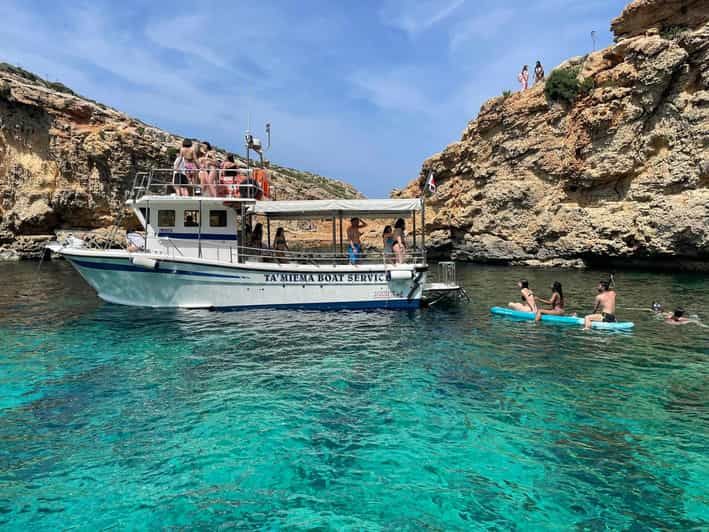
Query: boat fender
<point x="399" y="275"/>
<point x="145" y="262"/>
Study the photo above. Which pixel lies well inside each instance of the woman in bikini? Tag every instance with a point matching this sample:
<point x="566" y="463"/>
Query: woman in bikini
<point x="523" y="78"/>
<point x="556" y="301"/>
<point x="528" y="303"/>
<point x="185" y="169"/>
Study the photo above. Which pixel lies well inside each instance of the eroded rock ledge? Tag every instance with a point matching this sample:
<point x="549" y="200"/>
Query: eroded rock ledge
<point x="620" y="177"/>
<point x="66" y="161"/>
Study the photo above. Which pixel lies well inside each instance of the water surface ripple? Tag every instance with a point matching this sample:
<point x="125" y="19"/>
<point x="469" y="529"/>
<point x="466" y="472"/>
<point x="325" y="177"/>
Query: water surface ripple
<point x="445" y="418"/>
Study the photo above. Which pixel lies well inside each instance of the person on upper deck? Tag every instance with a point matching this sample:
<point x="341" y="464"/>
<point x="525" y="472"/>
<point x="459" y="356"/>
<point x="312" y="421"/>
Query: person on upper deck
<point x="354" y="248"/>
<point x="605" y="302"/>
<point x="185" y="167"/>
<point x="228" y="171"/>
<point x="207" y="161"/>
<point x="399" y="246"/>
<point x="528" y="304"/>
<point x="556" y="301"/>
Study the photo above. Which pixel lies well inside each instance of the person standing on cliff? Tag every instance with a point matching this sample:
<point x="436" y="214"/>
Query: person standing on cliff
<point x="538" y="73"/>
<point x="523" y="78"/>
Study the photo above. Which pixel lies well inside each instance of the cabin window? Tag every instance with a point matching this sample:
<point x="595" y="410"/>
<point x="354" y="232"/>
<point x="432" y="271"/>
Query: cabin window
<point x="191" y="219"/>
<point x="166" y="218"/>
<point x="217" y="218"/>
<point x="146" y="214"/>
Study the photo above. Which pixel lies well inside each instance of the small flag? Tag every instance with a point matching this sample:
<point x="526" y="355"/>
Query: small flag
<point x="430" y="183"/>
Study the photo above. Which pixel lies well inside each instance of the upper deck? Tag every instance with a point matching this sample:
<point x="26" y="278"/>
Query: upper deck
<point x="218" y="183"/>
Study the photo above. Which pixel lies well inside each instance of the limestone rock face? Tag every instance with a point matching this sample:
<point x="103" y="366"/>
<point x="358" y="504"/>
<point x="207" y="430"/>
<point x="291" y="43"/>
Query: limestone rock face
<point x="621" y="175"/>
<point x="642" y="16"/>
<point x="66" y="162"/>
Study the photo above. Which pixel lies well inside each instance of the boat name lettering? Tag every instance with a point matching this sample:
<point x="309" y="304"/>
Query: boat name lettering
<point x="370" y="277"/>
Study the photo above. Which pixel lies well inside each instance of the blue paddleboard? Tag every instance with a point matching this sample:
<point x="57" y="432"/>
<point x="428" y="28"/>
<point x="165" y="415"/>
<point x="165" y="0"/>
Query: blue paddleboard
<point x="564" y="320"/>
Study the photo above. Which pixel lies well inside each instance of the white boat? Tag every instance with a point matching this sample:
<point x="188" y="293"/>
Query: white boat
<point x="193" y="253"/>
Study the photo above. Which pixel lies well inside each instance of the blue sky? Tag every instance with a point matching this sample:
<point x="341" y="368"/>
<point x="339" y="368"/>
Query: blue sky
<point x="358" y="90"/>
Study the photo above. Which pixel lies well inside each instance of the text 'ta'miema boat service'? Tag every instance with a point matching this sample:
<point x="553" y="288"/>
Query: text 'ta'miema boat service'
<point x="194" y="252"/>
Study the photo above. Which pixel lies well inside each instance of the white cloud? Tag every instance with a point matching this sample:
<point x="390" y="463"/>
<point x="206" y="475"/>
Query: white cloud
<point x="182" y="34"/>
<point x="415" y="16"/>
<point x="396" y="90"/>
<point x="481" y="27"/>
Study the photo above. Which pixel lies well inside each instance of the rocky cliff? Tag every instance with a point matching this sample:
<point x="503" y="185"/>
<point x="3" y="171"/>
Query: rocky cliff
<point x="618" y="174"/>
<point x="66" y="162"/>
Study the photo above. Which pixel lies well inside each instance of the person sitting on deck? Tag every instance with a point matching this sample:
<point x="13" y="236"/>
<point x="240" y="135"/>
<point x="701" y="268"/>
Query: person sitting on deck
<point x="354" y="249"/>
<point x="677" y="317"/>
<point x="605" y="302"/>
<point x="528" y="302"/>
<point x="388" y="241"/>
<point x="227" y="174"/>
<point x="399" y="246"/>
<point x="556" y="301"/>
<point x="280" y="244"/>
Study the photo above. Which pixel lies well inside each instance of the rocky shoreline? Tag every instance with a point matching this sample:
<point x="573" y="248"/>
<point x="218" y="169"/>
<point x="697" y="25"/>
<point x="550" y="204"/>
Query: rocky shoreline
<point x="617" y="176"/>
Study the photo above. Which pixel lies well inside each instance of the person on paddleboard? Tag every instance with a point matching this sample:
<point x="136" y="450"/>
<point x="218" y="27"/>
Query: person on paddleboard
<point x="528" y="303"/>
<point x="556" y="301"/>
<point x="605" y="302"/>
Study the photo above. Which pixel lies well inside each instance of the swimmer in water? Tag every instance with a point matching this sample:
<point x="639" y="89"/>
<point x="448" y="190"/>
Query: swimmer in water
<point x="656" y="306"/>
<point x="677" y="317"/>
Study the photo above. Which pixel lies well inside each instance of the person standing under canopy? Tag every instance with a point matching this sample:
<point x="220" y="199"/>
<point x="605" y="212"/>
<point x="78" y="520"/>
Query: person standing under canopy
<point x="354" y="248"/>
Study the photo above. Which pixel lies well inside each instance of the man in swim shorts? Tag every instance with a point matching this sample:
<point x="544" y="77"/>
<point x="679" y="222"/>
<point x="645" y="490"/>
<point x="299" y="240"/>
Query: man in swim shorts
<point x="354" y="249"/>
<point x="605" y="302"/>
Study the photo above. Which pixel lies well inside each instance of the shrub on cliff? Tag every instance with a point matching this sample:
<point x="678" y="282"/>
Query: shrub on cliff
<point x="563" y="85"/>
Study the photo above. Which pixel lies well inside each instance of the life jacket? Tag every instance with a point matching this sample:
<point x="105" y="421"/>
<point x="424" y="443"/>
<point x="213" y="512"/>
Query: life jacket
<point x="261" y="178"/>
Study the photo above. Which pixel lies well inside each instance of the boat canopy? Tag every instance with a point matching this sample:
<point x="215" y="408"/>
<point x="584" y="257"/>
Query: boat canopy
<point x="312" y="209"/>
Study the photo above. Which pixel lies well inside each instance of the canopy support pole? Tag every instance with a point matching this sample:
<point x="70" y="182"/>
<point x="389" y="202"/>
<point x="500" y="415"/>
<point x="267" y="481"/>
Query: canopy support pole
<point x="342" y="249"/>
<point x="199" y="232"/>
<point x="334" y="240"/>
<point x="413" y="215"/>
<point x="268" y="231"/>
<point x="423" y="224"/>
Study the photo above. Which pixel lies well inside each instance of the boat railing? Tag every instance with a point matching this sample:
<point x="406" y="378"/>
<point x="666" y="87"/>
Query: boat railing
<point x="240" y="254"/>
<point x="219" y="183"/>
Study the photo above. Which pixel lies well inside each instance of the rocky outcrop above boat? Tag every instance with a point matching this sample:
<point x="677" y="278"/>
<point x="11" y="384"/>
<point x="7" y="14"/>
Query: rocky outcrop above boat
<point x="66" y="162"/>
<point x="647" y="16"/>
<point x="618" y="174"/>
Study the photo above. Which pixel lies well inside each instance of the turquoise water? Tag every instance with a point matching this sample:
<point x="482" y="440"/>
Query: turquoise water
<point x="445" y="418"/>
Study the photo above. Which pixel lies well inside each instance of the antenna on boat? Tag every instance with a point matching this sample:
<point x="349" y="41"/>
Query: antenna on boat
<point x="252" y="143"/>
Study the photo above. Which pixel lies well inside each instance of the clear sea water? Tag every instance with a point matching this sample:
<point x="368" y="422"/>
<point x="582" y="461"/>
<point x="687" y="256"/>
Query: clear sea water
<point x="446" y="418"/>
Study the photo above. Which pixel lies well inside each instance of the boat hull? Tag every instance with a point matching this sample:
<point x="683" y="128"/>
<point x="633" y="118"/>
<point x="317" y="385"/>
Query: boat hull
<point x="161" y="282"/>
